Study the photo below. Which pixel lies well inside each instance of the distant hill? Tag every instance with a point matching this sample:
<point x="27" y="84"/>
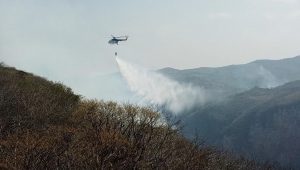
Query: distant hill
<point x="261" y="123"/>
<point x="228" y="80"/>
<point x="258" y="108"/>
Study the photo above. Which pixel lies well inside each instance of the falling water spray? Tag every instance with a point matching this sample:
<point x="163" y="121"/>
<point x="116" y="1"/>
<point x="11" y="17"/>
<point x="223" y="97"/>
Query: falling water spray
<point x="157" y="89"/>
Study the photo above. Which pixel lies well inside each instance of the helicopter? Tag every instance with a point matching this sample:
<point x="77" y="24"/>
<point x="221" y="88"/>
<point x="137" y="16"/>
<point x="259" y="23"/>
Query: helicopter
<point x="115" y="40"/>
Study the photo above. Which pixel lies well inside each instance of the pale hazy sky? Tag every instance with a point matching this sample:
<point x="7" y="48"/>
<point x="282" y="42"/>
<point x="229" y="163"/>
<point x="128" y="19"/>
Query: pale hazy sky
<point x="64" y="40"/>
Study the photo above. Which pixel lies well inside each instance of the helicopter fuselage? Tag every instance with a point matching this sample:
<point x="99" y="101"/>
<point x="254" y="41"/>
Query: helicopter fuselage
<point x="115" y="40"/>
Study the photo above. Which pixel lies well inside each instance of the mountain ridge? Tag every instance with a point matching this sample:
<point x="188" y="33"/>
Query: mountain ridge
<point x="232" y="79"/>
<point x="231" y="65"/>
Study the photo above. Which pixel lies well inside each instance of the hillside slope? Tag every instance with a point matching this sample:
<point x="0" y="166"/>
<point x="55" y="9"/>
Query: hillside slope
<point x="29" y="100"/>
<point x="260" y="122"/>
<point x="44" y="125"/>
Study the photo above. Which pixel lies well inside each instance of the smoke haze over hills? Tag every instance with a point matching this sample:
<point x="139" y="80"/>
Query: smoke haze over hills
<point x="170" y="87"/>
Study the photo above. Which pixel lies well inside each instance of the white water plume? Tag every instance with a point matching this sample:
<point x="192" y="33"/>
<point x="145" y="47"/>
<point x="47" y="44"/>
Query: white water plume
<point x="157" y="89"/>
